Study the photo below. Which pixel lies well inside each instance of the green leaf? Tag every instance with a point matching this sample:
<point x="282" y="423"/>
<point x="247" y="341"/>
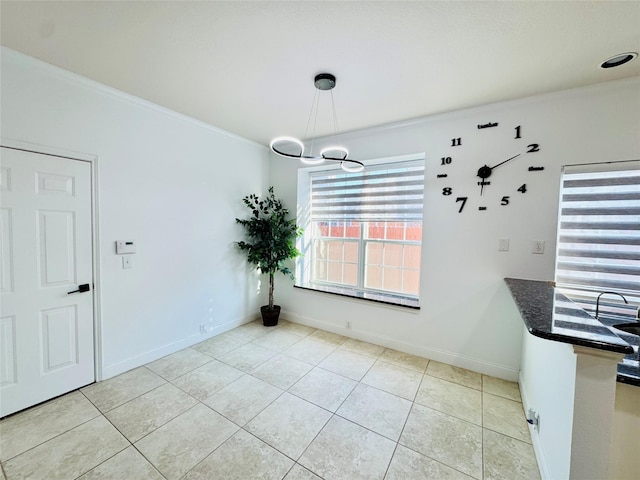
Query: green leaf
<point x="270" y="236"/>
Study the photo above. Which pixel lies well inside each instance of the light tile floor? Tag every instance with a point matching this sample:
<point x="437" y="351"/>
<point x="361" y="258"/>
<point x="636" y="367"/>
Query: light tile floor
<point x="287" y="402"/>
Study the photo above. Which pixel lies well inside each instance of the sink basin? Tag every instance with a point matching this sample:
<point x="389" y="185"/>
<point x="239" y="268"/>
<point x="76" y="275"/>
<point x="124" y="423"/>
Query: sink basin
<point x="633" y="328"/>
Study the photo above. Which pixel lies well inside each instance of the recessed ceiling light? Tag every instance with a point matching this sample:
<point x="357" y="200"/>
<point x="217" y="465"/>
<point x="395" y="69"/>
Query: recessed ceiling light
<point x="618" y="60"/>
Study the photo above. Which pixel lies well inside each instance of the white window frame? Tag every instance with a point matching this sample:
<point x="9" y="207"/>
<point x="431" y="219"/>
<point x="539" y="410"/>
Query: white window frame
<point x="304" y="264"/>
<point x="584" y="290"/>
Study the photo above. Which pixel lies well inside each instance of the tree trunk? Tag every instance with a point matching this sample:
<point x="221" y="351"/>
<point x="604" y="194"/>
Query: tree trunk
<point x="271" y="291"/>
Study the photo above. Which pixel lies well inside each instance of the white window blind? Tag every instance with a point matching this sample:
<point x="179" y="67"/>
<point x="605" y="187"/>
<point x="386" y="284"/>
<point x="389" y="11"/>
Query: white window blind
<point x="391" y="193"/>
<point x="363" y="231"/>
<point x="599" y="229"/>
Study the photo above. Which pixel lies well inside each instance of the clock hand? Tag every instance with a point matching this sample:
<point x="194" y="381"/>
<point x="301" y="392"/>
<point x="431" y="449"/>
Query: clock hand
<point x="485" y="171"/>
<point x="507" y="160"/>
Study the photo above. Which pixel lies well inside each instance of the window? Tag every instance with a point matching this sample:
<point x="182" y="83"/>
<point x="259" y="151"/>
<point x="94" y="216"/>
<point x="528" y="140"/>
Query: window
<point x="599" y="235"/>
<point x="363" y="231"/>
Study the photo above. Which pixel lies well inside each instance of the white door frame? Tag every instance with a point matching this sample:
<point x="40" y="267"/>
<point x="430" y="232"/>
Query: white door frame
<point x="95" y="232"/>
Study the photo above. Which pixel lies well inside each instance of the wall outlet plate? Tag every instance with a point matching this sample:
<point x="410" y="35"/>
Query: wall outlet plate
<point x="537" y="246"/>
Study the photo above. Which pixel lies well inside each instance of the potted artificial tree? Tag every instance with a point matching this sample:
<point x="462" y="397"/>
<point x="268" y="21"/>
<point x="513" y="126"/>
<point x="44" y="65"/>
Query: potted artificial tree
<point x="271" y="240"/>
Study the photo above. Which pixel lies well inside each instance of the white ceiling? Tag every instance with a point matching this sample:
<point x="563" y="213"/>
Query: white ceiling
<point x="248" y="67"/>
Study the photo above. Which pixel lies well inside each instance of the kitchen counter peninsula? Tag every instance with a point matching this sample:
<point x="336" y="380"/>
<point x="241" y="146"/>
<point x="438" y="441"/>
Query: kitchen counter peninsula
<point x="547" y="313"/>
<point x="575" y="379"/>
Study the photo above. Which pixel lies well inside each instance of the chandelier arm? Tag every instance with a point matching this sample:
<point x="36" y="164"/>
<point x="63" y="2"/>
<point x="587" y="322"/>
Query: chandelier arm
<point x="313" y="157"/>
<point x="288" y="155"/>
<point x="357" y="162"/>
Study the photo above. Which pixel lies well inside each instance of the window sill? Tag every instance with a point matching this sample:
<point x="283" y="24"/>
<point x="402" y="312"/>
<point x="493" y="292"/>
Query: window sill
<point x="385" y="299"/>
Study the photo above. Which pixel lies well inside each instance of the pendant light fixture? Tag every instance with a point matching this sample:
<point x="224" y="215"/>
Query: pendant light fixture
<point x="291" y="147"/>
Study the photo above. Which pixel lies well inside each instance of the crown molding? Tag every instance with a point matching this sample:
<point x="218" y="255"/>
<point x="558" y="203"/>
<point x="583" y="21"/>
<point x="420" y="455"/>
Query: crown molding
<point x="12" y="56"/>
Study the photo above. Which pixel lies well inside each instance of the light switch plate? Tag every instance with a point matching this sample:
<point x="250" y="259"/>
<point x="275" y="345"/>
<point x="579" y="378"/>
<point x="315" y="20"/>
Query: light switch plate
<point x="503" y="245"/>
<point x="127" y="262"/>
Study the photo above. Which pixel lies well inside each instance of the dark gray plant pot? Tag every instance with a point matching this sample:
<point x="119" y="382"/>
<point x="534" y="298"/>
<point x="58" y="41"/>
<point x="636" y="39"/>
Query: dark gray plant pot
<point x="270" y="316"/>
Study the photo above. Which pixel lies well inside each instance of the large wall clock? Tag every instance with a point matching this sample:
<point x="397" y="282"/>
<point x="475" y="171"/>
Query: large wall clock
<point x="488" y="166"/>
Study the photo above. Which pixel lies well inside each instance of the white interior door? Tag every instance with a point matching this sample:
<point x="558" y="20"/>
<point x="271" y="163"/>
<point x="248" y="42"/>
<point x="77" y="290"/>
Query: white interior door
<point x="46" y="333"/>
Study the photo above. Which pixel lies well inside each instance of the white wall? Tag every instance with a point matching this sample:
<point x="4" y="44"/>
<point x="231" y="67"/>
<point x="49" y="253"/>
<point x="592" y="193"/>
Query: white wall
<point x="170" y="183"/>
<point x="173" y="184"/>
<point x="467" y="317"/>
<point x="547" y="384"/>
<point x="625" y="461"/>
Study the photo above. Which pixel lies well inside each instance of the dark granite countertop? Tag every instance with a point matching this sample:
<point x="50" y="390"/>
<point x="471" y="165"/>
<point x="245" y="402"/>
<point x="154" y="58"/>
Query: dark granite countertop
<point x="549" y="314"/>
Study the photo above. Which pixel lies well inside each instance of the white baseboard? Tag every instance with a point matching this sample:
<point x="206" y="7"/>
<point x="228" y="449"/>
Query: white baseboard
<point x="535" y="438"/>
<point x="443" y="356"/>
<point x="146" y="357"/>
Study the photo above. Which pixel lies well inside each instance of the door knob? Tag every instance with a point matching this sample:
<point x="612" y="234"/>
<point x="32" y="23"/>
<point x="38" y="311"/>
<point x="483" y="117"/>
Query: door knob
<point x="81" y="288"/>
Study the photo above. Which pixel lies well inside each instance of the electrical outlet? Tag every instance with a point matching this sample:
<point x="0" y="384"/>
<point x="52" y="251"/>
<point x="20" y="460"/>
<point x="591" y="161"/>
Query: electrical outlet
<point x="203" y="328"/>
<point x="348" y="325"/>
<point x="533" y="418"/>
<point x="503" y="245"/>
<point x="537" y="246"/>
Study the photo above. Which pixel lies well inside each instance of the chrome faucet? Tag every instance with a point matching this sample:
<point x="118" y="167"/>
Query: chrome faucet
<point x="610" y="293"/>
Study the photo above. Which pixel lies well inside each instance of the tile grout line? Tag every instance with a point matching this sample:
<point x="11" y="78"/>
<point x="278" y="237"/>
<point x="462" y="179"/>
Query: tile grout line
<point x="415" y="402"/>
<point x="55" y="436"/>
<point x="295" y="460"/>
<point x="100" y="414"/>
<point x="357" y="383"/>
<point x="212" y="451"/>
<point x="163" y="424"/>
<point x="313" y="440"/>
<point x="436" y="460"/>
<point x="482" y="426"/>
<point x="259" y="412"/>
<point x="393" y="454"/>
<point x="149" y="461"/>
<point x="198" y="401"/>
<point x="360" y="382"/>
<point x="335" y="414"/>
<point x="405" y="423"/>
<point x="507" y="435"/>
